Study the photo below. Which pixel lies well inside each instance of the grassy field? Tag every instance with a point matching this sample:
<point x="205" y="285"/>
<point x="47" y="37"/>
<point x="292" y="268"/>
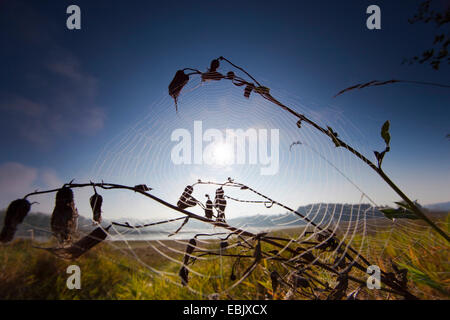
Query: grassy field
<point x="150" y="270"/>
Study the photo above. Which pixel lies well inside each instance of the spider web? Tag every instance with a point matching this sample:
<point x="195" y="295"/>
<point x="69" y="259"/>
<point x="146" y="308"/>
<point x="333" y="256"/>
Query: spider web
<point x="303" y="196"/>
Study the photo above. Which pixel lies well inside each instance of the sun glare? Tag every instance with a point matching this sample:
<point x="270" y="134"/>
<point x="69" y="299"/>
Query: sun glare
<point x="222" y="155"/>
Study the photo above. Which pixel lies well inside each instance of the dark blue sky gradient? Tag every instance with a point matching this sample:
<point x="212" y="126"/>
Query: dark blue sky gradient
<point x="100" y="80"/>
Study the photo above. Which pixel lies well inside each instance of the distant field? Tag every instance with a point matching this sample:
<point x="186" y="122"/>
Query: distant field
<point x="112" y="271"/>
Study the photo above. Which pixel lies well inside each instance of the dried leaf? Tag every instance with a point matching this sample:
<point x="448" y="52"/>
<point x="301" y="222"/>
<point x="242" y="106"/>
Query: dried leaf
<point x="274" y="278"/>
<point x="262" y="90"/>
<point x="184" y="275"/>
<point x="209" y="213"/>
<point x="186" y="220"/>
<point x="186" y="200"/>
<point x="142" y="187"/>
<point x="214" y="75"/>
<point x="348" y="89"/>
<point x="367" y="84"/>
<point x="230" y="75"/>
<point x="257" y="253"/>
<point x="178" y="82"/>
<point x="233" y="269"/>
<point x="248" y="89"/>
<point x="80" y="247"/>
<point x="214" y="65"/>
<point x="96" y="202"/>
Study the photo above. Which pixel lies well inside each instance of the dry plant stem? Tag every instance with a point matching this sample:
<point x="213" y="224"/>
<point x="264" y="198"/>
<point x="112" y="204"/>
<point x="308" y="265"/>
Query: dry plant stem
<point x="331" y="232"/>
<point x="126" y="225"/>
<point x="395" y="288"/>
<point x="341" y="143"/>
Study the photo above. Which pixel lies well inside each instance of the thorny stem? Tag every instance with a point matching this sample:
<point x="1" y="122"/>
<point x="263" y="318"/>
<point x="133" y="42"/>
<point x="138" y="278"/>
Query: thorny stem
<point x="107" y="186"/>
<point x="341" y="143"/>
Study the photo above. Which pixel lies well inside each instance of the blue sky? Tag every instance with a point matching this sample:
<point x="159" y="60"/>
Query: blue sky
<point x="93" y="103"/>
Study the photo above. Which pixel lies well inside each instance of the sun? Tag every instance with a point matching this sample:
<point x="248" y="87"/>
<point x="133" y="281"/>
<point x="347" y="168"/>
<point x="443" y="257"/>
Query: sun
<point x="222" y="154"/>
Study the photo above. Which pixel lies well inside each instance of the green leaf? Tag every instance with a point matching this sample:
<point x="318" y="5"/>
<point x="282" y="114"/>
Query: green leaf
<point x="385" y="133"/>
<point x="400" y="213"/>
<point x="403" y="204"/>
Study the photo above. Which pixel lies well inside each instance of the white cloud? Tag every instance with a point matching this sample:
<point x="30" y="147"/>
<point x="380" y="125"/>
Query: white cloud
<point x="17" y="180"/>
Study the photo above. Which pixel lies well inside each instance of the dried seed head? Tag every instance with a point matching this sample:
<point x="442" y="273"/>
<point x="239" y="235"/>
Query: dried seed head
<point x="65" y="216"/>
<point x="96" y="202"/>
<point x="230" y="75"/>
<point x="65" y="194"/>
<point x="16" y="212"/>
<point x="248" y="89"/>
<point x="178" y="82"/>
